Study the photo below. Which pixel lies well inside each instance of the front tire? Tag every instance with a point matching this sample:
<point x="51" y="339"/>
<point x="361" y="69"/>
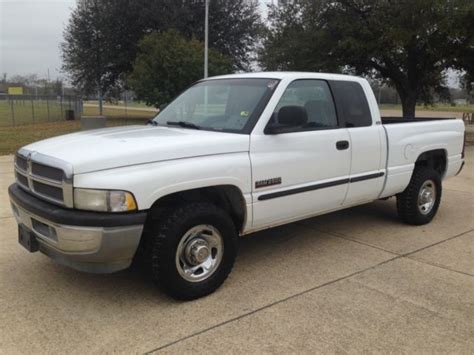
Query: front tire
<point x="193" y="249"/>
<point x="418" y="204"/>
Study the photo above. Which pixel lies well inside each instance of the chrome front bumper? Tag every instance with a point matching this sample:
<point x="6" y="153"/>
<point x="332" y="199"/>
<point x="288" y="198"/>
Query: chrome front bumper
<point x="96" y="249"/>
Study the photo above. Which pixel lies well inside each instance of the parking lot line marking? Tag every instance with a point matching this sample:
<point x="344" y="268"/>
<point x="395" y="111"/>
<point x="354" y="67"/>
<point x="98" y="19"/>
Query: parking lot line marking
<point x="397" y="256"/>
<point x="270" y="305"/>
<point x="439" y="266"/>
<point x="437" y="243"/>
<point x="345" y="237"/>
<point x="408" y="255"/>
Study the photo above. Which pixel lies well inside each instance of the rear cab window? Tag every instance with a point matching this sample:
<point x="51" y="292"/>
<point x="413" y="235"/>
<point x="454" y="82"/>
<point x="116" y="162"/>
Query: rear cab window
<point x="351" y="103"/>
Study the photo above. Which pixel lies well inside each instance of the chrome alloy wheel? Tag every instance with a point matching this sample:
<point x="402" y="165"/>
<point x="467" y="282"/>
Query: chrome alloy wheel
<point x="427" y="197"/>
<point x="199" y="253"/>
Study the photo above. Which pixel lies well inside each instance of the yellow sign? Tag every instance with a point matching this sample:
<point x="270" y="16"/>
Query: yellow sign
<point x="15" y="90"/>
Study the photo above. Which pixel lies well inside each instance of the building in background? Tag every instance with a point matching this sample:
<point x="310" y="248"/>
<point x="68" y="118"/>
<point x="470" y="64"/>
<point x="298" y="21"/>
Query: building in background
<point x="15" y="90"/>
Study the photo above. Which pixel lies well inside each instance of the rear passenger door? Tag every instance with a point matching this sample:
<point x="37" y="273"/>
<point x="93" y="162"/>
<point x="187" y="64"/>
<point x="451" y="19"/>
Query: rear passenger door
<point x="366" y="139"/>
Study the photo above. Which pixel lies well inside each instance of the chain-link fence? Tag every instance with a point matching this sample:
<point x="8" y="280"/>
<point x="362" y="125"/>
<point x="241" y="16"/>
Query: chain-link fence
<point x="26" y="109"/>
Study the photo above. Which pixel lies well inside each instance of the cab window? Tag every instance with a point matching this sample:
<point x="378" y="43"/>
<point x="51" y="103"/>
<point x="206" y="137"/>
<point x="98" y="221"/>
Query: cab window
<point x="312" y="97"/>
<point x="351" y="103"/>
<point x="228" y="105"/>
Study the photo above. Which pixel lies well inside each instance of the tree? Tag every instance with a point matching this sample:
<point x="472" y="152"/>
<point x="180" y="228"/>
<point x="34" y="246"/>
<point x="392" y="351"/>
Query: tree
<point x="86" y="51"/>
<point x="107" y="32"/>
<point x="234" y="28"/>
<point x="26" y="80"/>
<point x="464" y="58"/>
<point x="410" y="44"/>
<point x="168" y="63"/>
<point x="290" y="41"/>
<point x="57" y="87"/>
<point x="234" y="25"/>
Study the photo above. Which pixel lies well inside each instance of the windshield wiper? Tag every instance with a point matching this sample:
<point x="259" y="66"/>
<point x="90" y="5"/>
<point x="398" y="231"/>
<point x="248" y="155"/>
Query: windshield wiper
<point x="152" y="122"/>
<point x="183" y="124"/>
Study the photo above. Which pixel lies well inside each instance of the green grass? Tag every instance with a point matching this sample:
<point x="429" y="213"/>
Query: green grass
<point x="24" y="112"/>
<point x="21" y="129"/>
<point x="20" y="112"/>
<point x="135" y="114"/>
<point x="12" y="138"/>
<point x="437" y="107"/>
<point x="137" y="104"/>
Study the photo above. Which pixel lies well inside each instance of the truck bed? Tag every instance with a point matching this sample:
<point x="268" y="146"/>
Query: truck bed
<point x="408" y="138"/>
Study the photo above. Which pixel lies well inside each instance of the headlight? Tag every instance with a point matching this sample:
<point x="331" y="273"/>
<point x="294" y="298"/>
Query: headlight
<point x="104" y="200"/>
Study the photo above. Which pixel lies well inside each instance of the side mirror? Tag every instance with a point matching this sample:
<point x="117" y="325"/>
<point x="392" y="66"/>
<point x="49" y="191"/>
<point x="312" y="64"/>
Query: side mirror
<point x="287" y="119"/>
<point x="273" y="129"/>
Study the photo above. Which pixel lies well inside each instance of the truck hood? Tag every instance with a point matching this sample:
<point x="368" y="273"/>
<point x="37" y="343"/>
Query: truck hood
<point x="130" y="145"/>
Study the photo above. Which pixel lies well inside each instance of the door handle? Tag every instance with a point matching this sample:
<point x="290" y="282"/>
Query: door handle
<point x="342" y="145"/>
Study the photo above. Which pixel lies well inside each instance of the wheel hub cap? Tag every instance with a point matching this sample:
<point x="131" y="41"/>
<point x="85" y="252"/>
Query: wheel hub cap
<point x="427" y="197"/>
<point x="199" y="253"/>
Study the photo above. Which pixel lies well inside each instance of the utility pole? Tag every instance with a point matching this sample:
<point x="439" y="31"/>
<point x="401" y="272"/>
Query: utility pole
<point x="49" y="82"/>
<point x="101" y="101"/>
<point x="206" y="39"/>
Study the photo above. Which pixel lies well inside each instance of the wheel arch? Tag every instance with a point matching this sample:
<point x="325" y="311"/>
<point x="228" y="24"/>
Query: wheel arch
<point x="228" y="197"/>
<point x="435" y="159"/>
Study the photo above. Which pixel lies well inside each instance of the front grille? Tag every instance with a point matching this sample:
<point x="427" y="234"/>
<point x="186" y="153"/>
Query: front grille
<point x="48" y="190"/>
<point x="22" y="179"/>
<point x="45" y="177"/>
<point x="21" y="163"/>
<point x="47" y="172"/>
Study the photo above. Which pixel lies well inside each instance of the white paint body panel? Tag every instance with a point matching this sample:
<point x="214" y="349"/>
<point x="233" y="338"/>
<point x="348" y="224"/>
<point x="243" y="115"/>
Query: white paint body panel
<point x="368" y="155"/>
<point x="407" y="141"/>
<point x="299" y="159"/>
<point x="152" y="162"/>
<point x="150" y="182"/>
<point x="109" y="148"/>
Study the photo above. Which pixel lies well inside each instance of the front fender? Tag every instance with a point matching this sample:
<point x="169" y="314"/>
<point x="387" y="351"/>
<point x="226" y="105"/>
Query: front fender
<point x="150" y="182"/>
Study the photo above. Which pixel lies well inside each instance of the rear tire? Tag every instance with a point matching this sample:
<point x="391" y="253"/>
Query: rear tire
<point x="193" y="249"/>
<point x="418" y="204"/>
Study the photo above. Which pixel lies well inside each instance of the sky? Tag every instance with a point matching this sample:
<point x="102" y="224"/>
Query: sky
<point x="30" y="35"/>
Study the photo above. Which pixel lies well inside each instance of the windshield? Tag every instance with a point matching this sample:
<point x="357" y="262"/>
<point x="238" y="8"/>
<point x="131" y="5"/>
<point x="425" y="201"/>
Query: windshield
<point x="228" y="105"/>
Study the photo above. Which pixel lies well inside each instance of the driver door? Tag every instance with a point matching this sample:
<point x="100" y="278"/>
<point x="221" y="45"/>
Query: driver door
<point x="305" y="170"/>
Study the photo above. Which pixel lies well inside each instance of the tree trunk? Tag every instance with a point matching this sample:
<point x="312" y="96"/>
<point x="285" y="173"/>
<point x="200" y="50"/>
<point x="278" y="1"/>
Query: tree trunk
<point x="408" y="105"/>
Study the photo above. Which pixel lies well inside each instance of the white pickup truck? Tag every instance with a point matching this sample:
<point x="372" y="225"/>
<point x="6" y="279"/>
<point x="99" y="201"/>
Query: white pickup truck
<point x="230" y="156"/>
